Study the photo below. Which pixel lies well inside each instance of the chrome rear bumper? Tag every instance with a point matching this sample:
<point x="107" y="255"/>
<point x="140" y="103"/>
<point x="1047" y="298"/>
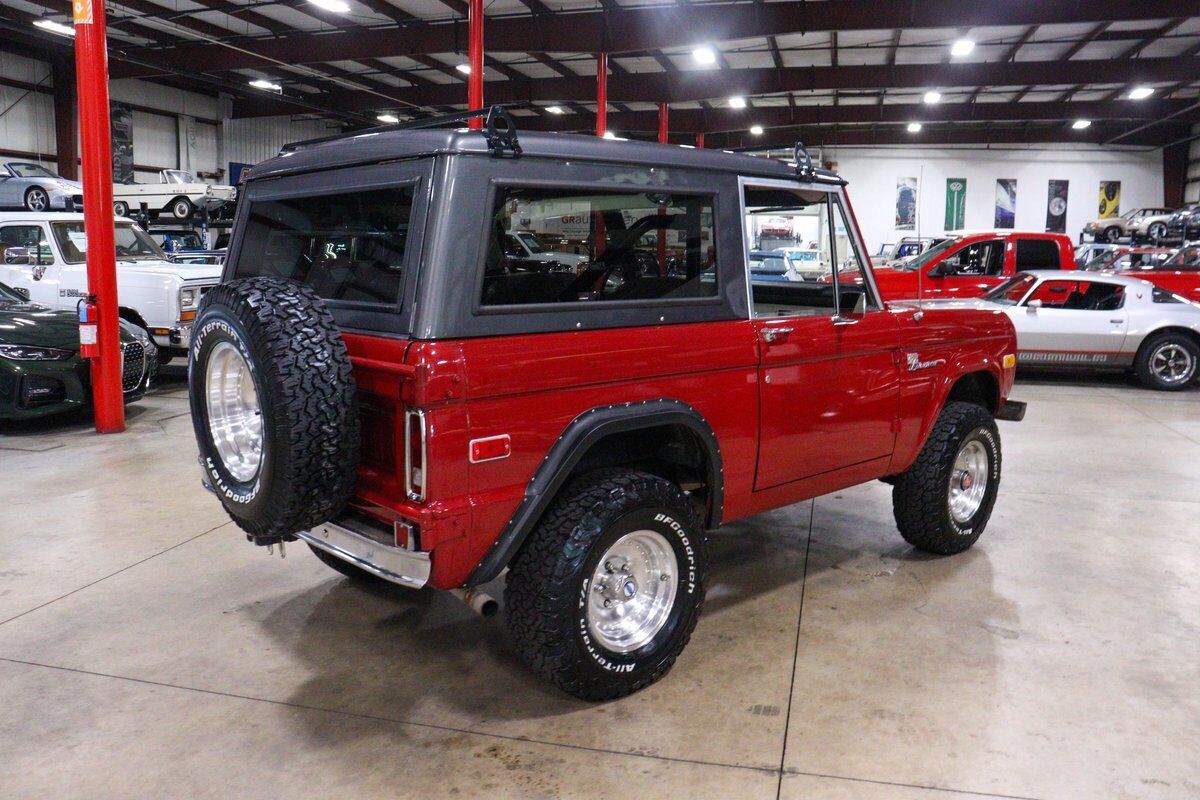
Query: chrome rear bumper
<point x="405" y="567"/>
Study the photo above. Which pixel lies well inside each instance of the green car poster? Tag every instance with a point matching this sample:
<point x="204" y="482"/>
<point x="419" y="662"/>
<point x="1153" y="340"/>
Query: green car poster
<point x="956" y="203"/>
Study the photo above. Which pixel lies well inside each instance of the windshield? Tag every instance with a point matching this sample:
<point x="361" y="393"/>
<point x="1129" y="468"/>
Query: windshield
<point x="177" y="176"/>
<point x="131" y="243"/>
<point x="929" y="255"/>
<point x="1012" y="290"/>
<point x="7" y="295"/>
<point x="1186" y="257"/>
<point x="804" y="255"/>
<point x="31" y="171"/>
<point x="531" y="241"/>
<point x="1102" y="261"/>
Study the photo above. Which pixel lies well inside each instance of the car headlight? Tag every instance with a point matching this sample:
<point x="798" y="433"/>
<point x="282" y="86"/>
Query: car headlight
<point x="20" y="352"/>
<point x="189" y="298"/>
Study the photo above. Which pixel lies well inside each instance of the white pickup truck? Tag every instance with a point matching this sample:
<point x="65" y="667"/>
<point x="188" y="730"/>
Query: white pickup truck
<point x="177" y="193"/>
<point x="44" y="256"/>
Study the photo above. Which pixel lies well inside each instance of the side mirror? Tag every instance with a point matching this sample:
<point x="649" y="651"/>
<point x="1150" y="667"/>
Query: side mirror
<point x="1033" y="305"/>
<point x="941" y="270"/>
<point x="21" y="292"/>
<point x="16" y="255"/>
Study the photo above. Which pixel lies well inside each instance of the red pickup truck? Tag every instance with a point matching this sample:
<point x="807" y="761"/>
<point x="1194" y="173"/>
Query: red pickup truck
<point x="971" y="264"/>
<point x="379" y="378"/>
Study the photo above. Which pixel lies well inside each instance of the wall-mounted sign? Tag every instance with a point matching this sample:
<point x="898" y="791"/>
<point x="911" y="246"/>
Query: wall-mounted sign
<point x="956" y="203"/>
<point x="1110" y="199"/>
<point x="906" y="204"/>
<point x="1006" y="203"/>
<point x="1056" y="207"/>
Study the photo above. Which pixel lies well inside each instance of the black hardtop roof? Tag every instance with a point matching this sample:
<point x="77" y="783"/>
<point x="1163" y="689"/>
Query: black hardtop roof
<point x="386" y="144"/>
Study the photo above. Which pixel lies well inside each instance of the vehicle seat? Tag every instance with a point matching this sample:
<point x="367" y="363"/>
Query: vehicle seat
<point x="1076" y="301"/>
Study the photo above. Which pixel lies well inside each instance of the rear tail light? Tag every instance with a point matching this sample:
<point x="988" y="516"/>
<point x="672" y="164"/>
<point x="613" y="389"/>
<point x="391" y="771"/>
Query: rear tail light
<point x="414" y="454"/>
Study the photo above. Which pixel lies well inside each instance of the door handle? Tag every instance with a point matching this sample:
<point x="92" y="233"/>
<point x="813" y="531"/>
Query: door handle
<point x="838" y="319"/>
<point x="1116" y="321"/>
<point x="771" y="334"/>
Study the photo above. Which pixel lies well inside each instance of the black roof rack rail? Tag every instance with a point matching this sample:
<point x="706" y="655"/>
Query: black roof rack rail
<point x="498" y="128"/>
<point x="804" y="165"/>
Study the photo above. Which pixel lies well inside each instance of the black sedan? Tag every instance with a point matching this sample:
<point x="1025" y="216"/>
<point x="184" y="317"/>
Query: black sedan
<point x="41" y="372"/>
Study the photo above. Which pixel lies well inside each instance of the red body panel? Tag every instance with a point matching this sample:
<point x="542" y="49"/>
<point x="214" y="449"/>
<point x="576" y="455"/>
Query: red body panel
<point x="903" y="284"/>
<point x="842" y="406"/>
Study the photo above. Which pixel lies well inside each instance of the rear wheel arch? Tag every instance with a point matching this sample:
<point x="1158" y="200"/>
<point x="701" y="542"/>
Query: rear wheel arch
<point x="1173" y="329"/>
<point x="664" y="437"/>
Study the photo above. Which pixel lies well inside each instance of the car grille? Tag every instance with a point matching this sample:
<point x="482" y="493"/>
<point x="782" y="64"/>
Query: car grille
<point x="133" y="365"/>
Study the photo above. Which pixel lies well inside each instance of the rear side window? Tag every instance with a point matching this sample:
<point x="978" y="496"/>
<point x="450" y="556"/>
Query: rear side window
<point x="1037" y="254"/>
<point x="1080" y="295"/>
<point x="590" y="245"/>
<point x="348" y="247"/>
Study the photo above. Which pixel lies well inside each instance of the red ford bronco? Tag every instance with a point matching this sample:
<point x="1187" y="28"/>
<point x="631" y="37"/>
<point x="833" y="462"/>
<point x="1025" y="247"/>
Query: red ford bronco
<point x="379" y="376"/>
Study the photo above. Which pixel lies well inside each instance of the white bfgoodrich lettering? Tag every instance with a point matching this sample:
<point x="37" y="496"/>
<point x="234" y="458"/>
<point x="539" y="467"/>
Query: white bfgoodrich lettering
<point x="218" y="482"/>
<point x="681" y="532"/>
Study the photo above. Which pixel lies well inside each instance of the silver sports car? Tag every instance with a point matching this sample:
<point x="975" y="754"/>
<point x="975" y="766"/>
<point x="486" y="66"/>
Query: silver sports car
<point x="35" y="188"/>
<point x="1085" y="319"/>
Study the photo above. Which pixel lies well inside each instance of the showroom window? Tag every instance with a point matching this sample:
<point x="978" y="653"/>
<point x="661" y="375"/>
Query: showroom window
<point x="549" y="246"/>
<point x="347" y="246"/>
<point x="1080" y="295"/>
<point x="782" y="220"/>
<point x="1037" y="254"/>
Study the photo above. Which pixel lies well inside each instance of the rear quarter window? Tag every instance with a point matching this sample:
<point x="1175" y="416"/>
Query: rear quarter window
<point x="1037" y="254"/>
<point x="349" y="247"/>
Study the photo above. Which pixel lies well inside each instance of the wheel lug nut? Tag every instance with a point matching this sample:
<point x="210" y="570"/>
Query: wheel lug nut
<point x="608" y="603"/>
<point x="664" y="577"/>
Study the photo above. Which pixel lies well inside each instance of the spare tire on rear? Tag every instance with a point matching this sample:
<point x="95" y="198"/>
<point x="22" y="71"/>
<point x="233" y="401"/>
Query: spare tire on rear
<point x="273" y="406"/>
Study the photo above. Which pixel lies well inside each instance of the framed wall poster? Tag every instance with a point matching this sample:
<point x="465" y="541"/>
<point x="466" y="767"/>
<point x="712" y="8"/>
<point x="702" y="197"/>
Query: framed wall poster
<point x="956" y="203"/>
<point x="1056" y="207"/>
<point x="1006" y="203"/>
<point x="1110" y="199"/>
<point x="906" y="204"/>
<point x="121" y="124"/>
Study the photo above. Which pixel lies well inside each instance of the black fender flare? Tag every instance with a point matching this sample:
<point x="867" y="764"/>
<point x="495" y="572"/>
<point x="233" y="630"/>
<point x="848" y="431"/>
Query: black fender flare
<point x="572" y="445"/>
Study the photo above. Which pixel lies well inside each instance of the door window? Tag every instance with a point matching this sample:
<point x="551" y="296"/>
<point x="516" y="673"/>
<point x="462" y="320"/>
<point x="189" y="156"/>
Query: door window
<point x="1037" y="254"/>
<point x="977" y="258"/>
<point x="1079" y="295"/>
<point x="832" y="280"/>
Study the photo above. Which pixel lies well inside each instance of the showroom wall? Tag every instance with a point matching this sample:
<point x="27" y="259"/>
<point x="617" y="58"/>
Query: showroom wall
<point x="873" y="174"/>
<point x="172" y="128"/>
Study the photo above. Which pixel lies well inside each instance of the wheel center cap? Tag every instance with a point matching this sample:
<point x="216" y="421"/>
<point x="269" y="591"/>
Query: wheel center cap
<point x="628" y="589"/>
<point x="965" y="481"/>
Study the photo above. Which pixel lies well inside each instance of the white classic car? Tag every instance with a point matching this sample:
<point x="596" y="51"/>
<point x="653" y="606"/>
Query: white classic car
<point x="177" y="193"/>
<point x="529" y="246"/>
<point x="1096" y="320"/>
<point x="44" y="257"/>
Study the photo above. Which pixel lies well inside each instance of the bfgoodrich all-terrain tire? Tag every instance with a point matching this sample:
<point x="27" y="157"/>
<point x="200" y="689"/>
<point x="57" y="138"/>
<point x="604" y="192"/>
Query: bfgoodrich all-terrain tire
<point x="943" y="501"/>
<point x="606" y="591"/>
<point x="273" y="406"/>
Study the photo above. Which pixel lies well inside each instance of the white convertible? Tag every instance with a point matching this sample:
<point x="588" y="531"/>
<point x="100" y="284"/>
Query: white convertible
<point x="1083" y="319"/>
<point x="177" y="193"/>
<point x="44" y="257"/>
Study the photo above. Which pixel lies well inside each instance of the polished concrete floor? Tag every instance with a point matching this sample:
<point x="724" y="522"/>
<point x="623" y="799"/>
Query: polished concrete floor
<point x="147" y="651"/>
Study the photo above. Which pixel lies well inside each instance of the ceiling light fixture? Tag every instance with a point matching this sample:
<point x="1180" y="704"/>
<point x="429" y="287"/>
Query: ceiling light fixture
<point x="757" y="130"/>
<point x="554" y="110"/>
<point x="388" y="119"/>
<point x="54" y="27"/>
<point x="336" y="6"/>
<point x="962" y="47"/>
<point x="1140" y="93"/>
<point x="737" y="101"/>
<point x="914" y="127"/>
<point x="1080" y="124"/>
<point x="259" y="83"/>
<point x="932" y="97"/>
<point x="705" y="55"/>
<point x="465" y="69"/>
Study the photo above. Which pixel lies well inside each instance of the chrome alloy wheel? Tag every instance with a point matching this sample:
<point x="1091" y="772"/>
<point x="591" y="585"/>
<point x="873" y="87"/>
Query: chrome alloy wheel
<point x="37" y="199"/>
<point x="632" y="591"/>
<point x="1172" y="364"/>
<point x="968" y="481"/>
<point x="234" y="416"/>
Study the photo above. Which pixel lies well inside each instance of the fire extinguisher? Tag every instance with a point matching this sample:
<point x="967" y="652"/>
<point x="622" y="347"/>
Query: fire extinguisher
<point x="89" y="327"/>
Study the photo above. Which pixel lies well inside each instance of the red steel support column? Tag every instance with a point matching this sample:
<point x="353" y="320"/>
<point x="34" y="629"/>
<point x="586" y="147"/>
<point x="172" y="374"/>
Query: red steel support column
<point x="663" y="129"/>
<point x="475" y="59"/>
<point x="91" y="75"/>
<point x="700" y="140"/>
<point x="601" y="94"/>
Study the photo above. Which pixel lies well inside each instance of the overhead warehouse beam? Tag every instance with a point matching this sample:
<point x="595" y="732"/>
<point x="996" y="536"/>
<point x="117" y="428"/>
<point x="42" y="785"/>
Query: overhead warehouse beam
<point x="617" y="29"/>
<point x="679" y="87"/>
<point x="732" y="120"/>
